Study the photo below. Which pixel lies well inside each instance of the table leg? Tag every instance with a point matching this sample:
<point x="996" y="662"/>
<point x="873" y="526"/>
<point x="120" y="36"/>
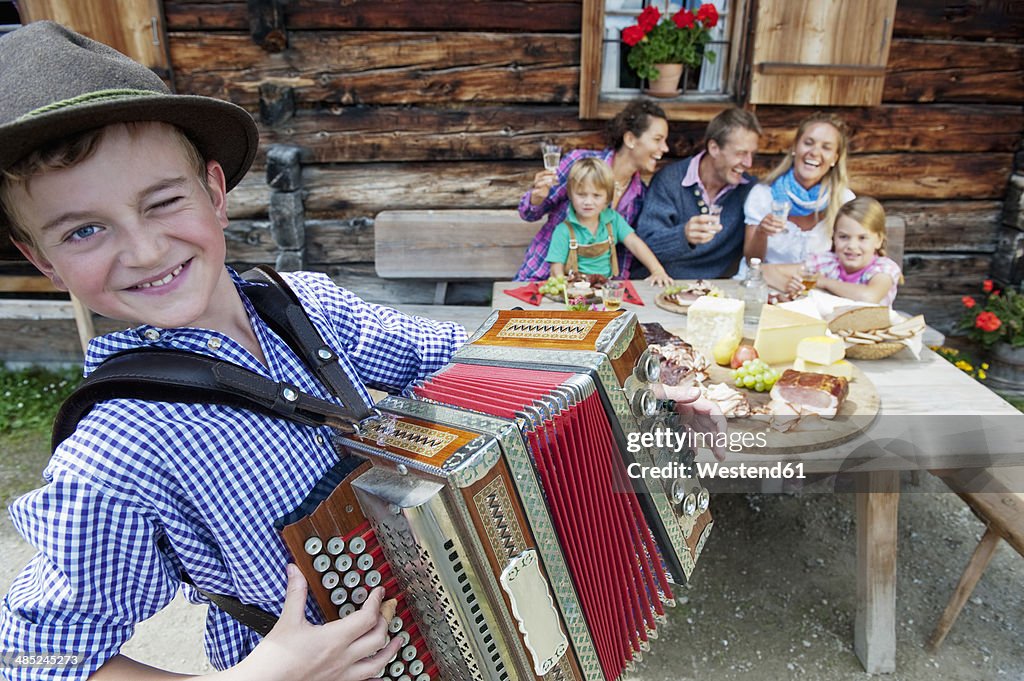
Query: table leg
<point x="874" y="636"/>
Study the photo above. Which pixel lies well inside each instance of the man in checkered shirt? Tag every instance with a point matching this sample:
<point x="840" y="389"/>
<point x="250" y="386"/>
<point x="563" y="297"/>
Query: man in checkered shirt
<point x="116" y="190"/>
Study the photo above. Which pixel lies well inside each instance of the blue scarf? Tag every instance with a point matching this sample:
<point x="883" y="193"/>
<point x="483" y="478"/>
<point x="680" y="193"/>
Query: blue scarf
<point x="802" y="201"/>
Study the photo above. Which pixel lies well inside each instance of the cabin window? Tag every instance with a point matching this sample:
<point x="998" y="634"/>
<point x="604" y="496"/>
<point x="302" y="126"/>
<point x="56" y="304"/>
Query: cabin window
<point x="789" y="52"/>
<point x="607" y="81"/>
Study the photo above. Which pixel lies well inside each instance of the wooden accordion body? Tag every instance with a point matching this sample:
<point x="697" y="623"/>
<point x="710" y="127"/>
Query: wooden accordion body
<point x="495" y="506"/>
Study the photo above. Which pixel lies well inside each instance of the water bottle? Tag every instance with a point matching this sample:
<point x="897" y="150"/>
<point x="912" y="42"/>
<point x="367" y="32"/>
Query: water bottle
<point x="755" y="293"/>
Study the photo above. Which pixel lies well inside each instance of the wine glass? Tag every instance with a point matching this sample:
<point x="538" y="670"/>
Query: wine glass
<point x="552" y="155"/>
<point x="808" y="275"/>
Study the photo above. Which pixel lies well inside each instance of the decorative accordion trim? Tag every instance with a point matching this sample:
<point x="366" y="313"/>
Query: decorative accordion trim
<point x="530" y="328"/>
<point x="426" y="442"/>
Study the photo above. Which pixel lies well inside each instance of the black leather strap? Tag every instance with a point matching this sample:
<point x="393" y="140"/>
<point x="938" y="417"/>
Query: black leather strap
<point x="278" y="305"/>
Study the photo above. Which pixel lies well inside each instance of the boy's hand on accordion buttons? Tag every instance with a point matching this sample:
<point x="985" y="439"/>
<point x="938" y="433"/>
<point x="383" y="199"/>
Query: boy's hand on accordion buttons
<point x="351" y="649"/>
<point x="698" y="412"/>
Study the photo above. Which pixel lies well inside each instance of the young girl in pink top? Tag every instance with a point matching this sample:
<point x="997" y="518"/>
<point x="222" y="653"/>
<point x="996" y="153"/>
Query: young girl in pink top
<point x="856" y="267"/>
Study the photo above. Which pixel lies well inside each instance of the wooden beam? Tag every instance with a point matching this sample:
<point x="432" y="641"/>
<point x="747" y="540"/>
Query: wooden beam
<point x="305" y="15"/>
<point x="974" y="20"/>
<point x="383" y="67"/>
<point x="877" y="505"/>
<point x="954" y="71"/>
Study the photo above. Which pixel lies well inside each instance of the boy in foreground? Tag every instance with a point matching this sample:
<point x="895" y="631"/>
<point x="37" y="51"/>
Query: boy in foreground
<point x="116" y="190"/>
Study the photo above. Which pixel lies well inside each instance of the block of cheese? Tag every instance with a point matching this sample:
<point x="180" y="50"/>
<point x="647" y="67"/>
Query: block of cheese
<point x="710" y="318"/>
<point x="780" y="330"/>
<point x="840" y="368"/>
<point x="821" y="349"/>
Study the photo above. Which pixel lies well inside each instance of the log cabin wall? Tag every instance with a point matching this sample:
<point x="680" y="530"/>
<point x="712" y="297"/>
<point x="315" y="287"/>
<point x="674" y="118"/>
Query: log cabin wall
<point x="417" y="104"/>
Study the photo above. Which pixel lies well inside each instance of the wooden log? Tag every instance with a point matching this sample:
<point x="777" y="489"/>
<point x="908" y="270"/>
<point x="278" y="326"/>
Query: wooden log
<point x="535" y="15"/>
<point x="976" y="19"/>
<point x="365" y="189"/>
<point x="382" y="67"/>
<point x="954" y="71"/>
<point x="327" y="242"/>
<point x="942" y="274"/>
<point x="962" y="226"/>
<point x="354" y="134"/>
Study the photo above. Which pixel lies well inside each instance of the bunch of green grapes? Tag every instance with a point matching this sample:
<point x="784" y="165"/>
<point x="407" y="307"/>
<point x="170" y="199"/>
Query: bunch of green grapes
<point x="756" y="375"/>
<point x="553" y="286"/>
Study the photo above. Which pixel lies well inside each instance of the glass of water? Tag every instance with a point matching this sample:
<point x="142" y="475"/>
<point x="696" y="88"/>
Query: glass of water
<point x="780" y="209"/>
<point x="552" y="155"/>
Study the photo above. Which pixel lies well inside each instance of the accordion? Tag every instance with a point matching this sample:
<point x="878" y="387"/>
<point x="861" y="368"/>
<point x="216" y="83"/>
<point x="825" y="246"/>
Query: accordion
<point x="495" y="505"/>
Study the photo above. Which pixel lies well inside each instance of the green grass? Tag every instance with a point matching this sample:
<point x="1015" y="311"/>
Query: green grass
<point x="29" y="399"/>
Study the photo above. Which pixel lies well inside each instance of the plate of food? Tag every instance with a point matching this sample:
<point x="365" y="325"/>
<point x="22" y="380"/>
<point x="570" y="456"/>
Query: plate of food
<point x="796" y="411"/>
<point x="678" y="298"/>
<point x="574" y="286"/>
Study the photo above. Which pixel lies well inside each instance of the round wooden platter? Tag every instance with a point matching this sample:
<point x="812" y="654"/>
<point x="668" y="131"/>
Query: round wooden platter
<point x="858" y="411"/>
<point x="662" y="301"/>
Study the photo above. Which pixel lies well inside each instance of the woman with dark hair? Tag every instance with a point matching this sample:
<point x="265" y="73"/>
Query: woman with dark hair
<point x="636" y="142"/>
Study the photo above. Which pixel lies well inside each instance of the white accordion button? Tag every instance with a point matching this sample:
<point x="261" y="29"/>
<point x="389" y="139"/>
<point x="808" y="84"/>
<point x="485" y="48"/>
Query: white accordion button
<point x="352" y="579"/>
<point x="343" y="563"/>
<point x="346" y="610"/>
<point x="339" y="596"/>
<point x="357" y="545"/>
<point x="359" y="595"/>
<point x="395" y="625"/>
<point x="416" y="666"/>
<point x="364" y="562"/>
<point x="321" y="563"/>
<point x="372" y="578"/>
<point x="330" y="580"/>
<point x="313" y="545"/>
<point x="409" y="653"/>
<point x="335" y="545"/>
<point x="396" y="668"/>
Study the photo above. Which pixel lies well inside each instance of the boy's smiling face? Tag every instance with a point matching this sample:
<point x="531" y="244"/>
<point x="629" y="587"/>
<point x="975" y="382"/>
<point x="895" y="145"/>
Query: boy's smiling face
<point x="133" y="232"/>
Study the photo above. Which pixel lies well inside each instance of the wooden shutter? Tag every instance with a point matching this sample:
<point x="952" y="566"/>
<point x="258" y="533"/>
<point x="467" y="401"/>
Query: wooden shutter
<point x="821" y="52"/>
<point x="132" y="27"/>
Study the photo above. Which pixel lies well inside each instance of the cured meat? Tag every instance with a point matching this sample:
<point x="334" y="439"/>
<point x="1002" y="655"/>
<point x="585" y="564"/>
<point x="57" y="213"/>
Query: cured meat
<point x="812" y="393"/>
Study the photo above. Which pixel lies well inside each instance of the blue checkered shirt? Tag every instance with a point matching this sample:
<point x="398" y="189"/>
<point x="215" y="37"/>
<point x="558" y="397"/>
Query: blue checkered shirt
<point x="211" y="479"/>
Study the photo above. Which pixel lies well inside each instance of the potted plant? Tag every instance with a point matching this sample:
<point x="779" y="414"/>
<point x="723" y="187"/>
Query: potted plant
<point x="996" y="323"/>
<point x="661" y="47"/>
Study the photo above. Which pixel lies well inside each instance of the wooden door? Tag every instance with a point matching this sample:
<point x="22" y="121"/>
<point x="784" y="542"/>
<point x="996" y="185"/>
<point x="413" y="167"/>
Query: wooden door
<point x="133" y="27"/>
<point x="821" y="52"/>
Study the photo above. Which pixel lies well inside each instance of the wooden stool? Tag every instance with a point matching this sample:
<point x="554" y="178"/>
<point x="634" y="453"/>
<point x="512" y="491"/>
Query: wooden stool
<point x="1000" y="505"/>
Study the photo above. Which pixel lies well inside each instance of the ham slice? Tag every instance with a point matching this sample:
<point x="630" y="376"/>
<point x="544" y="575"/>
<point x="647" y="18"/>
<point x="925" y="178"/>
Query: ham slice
<point x="812" y="393"/>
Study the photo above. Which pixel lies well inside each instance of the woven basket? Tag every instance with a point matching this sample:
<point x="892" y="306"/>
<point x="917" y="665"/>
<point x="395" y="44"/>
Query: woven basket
<point x="879" y="350"/>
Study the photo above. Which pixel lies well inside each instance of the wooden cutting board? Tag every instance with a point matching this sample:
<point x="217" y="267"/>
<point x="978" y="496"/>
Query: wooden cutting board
<point x="857" y="412"/>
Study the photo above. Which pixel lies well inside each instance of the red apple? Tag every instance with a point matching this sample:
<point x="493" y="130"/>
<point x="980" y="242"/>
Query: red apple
<point x="742" y="354"/>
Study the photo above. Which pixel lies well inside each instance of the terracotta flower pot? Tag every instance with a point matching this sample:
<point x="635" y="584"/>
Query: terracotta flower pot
<point x="667" y="82"/>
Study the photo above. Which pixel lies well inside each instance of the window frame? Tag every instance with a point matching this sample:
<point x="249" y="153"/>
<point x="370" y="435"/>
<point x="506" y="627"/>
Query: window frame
<point x="594" y="106"/>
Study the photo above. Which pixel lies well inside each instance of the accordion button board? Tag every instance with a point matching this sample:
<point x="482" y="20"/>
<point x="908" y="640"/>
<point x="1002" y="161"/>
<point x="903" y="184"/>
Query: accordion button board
<point x="495" y="507"/>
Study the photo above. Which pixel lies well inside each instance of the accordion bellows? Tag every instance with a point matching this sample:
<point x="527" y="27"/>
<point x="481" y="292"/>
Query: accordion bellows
<point x="495" y="505"/>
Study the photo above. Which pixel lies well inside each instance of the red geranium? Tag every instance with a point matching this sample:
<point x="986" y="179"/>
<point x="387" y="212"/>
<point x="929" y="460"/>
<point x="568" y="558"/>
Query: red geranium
<point x="632" y="35"/>
<point x="708" y="15"/>
<point x="968" y="302"/>
<point x="684" y="19"/>
<point x="987" y="286"/>
<point x="648" y="19"/>
<point x="987" y="321"/>
<point x="659" y="39"/>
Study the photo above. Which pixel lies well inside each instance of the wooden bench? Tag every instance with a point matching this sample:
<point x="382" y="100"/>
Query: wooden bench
<point x="996" y="495"/>
<point x="36" y="309"/>
<point x="450" y="245"/>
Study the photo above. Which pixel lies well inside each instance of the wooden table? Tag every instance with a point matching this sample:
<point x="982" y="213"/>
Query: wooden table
<point x="953" y="420"/>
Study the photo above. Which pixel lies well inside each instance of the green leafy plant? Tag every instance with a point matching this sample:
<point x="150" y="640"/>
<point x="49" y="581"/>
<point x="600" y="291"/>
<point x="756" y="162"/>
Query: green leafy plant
<point x="679" y="39"/>
<point x="999" y="316"/>
<point x="29" y="398"/>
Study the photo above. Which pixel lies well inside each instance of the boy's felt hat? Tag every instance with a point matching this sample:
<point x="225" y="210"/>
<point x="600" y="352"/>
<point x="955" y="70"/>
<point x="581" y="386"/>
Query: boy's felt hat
<point x="55" y="82"/>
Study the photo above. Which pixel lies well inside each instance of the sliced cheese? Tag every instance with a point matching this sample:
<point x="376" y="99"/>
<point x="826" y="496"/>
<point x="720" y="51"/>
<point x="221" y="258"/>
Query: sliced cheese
<point x="821" y="349"/>
<point x="710" y="318"/>
<point x="780" y="330"/>
<point x="840" y="368"/>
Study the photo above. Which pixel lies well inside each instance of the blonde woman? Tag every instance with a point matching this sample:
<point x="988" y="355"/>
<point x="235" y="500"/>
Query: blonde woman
<point x="812" y="178"/>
